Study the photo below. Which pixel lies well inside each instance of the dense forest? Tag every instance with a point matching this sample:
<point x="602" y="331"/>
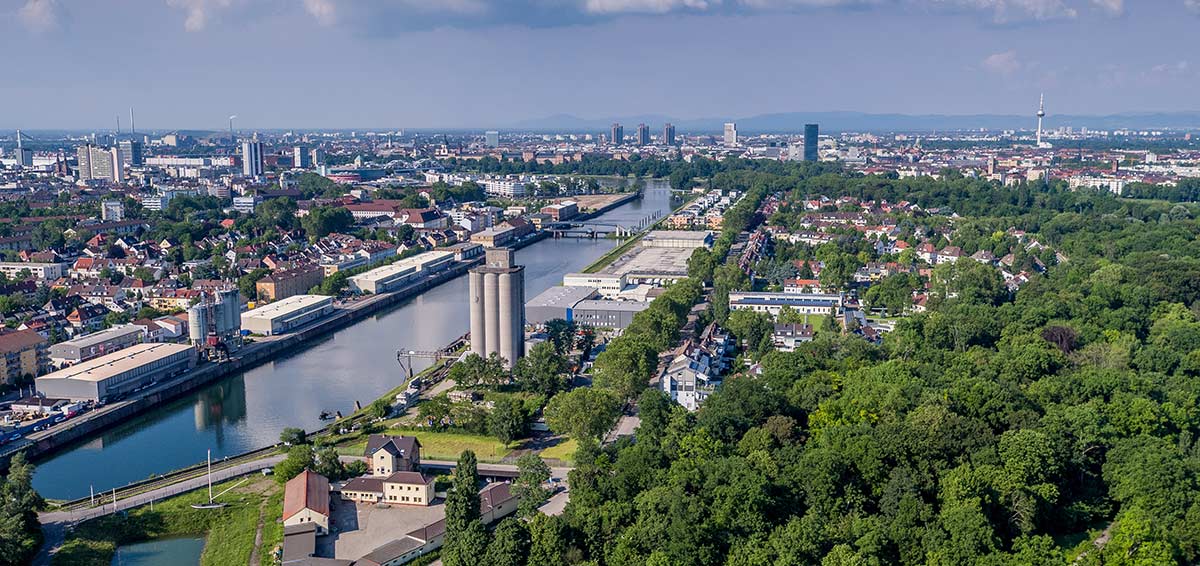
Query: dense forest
<point x="996" y="428"/>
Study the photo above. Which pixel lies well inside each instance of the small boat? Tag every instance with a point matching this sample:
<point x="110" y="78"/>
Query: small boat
<point x="325" y="415"/>
<point x="212" y="504"/>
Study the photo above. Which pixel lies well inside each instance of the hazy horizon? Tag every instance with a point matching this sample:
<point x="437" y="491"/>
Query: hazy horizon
<point x="473" y="64"/>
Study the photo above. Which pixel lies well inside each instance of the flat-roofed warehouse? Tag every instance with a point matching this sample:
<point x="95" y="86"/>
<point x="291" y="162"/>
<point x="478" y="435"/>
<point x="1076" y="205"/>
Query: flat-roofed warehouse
<point x="400" y="273"/>
<point x="576" y="304"/>
<point x="96" y="344"/>
<point x="117" y="373"/>
<point x="287" y="315"/>
<point x="683" y="239"/>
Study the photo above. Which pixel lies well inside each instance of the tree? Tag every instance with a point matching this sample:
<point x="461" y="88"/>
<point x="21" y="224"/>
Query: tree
<point x="542" y="370"/>
<point x="561" y="334"/>
<point x="247" y="284"/>
<point x="293" y="436"/>
<point x="529" y="487"/>
<point x="548" y="541"/>
<point x="475" y="370"/>
<point x="625" y="366"/>
<point x="701" y="265"/>
<point x="325" y="220"/>
<point x="20" y="531"/>
<point x="754" y="329"/>
<point x="584" y="414"/>
<point x="463" y="543"/>
<point x="507" y="420"/>
<point x="299" y="458"/>
<point x="510" y="544"/>
<point x="379" y="409"/>
<point x="329" y="464"/>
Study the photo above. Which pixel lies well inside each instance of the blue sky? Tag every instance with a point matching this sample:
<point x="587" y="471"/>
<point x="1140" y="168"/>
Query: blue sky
<point x="483" y="63"/>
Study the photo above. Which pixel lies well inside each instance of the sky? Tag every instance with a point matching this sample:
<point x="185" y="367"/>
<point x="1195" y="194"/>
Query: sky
<point x="491" y="63"/>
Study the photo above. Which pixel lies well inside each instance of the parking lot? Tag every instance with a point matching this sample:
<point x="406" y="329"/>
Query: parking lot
<point x="359" y="528"/>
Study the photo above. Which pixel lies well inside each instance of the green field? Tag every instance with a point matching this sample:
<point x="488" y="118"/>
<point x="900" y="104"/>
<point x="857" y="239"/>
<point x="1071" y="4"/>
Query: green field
<point x="229" y="532"/>
<point x="440" y="445"/>
<point x="563" y="451"/>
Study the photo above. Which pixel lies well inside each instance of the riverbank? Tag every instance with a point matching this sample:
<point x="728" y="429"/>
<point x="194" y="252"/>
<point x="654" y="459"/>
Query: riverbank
<point x="336" y="372"/>
<point x="252" y="504"/>
<point x="606" y="259"/>
<point x="84" y="427"/>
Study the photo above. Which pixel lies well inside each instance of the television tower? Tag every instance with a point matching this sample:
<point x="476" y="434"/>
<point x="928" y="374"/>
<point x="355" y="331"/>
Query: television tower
<point x="1041" y="113"/>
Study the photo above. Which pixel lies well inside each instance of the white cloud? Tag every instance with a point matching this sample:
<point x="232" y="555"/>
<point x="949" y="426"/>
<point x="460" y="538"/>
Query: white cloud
<point x="644" y="6"/>
<point x="1172" y="69"/>
<point x="1193" y="5"/>
<point x="1112" y="7"/>
<point x="324" y="11"/>
<point x="198" y="12"/>
<point x="40" y="15"/>
<point x="1009" y="11"/>
<point x="1003" y="63"/>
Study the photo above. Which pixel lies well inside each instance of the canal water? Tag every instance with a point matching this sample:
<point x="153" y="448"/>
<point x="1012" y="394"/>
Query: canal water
<point x="165" y="552"/>
<point x="358" y="363"/>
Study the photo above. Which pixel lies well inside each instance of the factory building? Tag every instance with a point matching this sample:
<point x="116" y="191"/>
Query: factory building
<point x="286" y="315"/>
<point x="401" y="273"/>
<point x="497" y="299"/>
<point x="118" y="373"/>
<point x="96" y="344"/>
<point x="215" y="326"/>
<point x="580" y="305"/>
<point x="608" y="284"/>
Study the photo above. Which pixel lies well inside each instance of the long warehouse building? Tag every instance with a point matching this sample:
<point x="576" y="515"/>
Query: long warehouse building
<point x="400" y="273"/>
<point x="287" y="314"/>
<point x="580" y="305"/>
<point x="117" y="373"/>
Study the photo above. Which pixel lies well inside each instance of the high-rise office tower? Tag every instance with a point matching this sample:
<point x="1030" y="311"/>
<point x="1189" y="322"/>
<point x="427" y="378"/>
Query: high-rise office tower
<point x="668" y="134"/>
<point x="132" y="154"/>
<point x="811" y="132"/>
<point x="491" y="138"/>
<point x="99" y="163"/>
<point x="731" y="134"/>
<point x="617" y="136"/>
<point x="301" y="157"/>
<point x="643" y="134"/>
<point x="252" y="157"/>
<point x="497" y="300"/>
<point x="318" y="157"/>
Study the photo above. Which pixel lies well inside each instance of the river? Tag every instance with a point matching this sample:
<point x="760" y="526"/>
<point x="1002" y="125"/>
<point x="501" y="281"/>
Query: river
<point x="248" y="410"/>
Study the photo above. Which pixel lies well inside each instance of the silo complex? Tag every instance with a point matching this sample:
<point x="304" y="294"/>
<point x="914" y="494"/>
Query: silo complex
<point x="497" y="296"/>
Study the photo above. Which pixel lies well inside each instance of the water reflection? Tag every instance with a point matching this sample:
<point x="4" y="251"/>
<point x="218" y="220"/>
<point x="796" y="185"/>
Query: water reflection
<point x="357" y="363"/>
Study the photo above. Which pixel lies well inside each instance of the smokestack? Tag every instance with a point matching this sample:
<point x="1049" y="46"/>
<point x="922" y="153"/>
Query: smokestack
<point x="132" y="128"/>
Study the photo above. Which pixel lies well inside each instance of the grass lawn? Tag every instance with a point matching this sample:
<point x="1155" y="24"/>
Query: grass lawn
<point x="229" y="531"/>
<point x="564" y="451"/>
<point x="441" y="445"/>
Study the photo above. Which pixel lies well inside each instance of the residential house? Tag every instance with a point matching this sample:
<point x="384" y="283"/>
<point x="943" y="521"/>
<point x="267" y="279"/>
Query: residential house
<point x="788" y="336"/>
<point x="399" y="488"/>
<point x="387" y="455"/>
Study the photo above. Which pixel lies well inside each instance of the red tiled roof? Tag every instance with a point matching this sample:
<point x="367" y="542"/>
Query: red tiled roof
<point x="306" y="491"/>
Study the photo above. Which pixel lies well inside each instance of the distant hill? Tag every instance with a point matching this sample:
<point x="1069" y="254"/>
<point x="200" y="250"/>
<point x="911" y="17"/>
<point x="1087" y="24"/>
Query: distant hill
<point x="863" y="122"/>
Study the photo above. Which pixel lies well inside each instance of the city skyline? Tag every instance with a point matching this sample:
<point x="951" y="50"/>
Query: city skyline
<point x="213" y="59"/>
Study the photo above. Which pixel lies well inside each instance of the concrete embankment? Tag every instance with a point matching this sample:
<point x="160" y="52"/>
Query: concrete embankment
<point x="85" y="426"/>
